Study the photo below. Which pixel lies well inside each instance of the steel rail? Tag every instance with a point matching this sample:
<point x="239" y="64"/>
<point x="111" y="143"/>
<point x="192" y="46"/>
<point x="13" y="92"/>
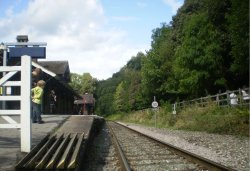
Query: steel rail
<point x="122" y="159"/>
<point x="209" y="164"/>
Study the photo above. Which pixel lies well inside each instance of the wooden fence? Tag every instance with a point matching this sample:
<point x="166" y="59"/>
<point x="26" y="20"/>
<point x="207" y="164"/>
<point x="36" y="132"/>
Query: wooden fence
<point x="238" y="97"/>
<point x="25" y="109"/>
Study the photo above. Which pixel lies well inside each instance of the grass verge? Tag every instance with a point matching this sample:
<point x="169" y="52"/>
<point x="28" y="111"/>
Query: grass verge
<point x="211" y="119"/>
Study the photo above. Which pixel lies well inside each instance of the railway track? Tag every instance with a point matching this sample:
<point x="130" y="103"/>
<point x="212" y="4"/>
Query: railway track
<point x="111" y="146"/>
<point x="139" y="152"/>
<point x="101" y="155"/>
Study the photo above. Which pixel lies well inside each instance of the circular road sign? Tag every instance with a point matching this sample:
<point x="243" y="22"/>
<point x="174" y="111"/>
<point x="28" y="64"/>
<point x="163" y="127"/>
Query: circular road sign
<point x="154" y="104"/>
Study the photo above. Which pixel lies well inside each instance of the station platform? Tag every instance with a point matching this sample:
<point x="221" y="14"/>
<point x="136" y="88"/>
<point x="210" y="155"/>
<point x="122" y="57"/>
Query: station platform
<point x="10" y="153"/>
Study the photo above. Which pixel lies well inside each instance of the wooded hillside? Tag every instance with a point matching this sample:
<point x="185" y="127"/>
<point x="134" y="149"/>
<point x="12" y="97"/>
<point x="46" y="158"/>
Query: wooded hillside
<point x="203" y="50"/>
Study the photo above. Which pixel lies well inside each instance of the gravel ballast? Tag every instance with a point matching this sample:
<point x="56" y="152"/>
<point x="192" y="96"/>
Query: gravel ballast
<point x="227" y="150"/>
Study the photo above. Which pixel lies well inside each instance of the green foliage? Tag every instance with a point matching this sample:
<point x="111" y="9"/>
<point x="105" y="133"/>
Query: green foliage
<point x="238" y="19"/>
<point x="198" y="60"/>
<point x="135" y="62"/>
<point x="105" y="95"/>
<point x="203" y="50"/>
<point x="214" y="120"/>
<point x="122" y="92"/>
<point x="211" y="119"/>
<point x="115" y="117"/>
<point x="156" y="71"/>
<point x="89" y="83"/>
<point x="76" y="82"/>
<point x="119" y="98"/>
<point x="84" y="83"/>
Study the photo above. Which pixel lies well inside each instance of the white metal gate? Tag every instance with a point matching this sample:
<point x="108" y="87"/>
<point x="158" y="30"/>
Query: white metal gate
<point x="25" y="100"/>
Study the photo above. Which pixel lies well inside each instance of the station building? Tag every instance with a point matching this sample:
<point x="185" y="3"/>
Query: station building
<point x="56" y="74"/>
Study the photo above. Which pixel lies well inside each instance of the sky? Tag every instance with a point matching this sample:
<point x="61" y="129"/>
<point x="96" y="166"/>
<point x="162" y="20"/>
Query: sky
<point x="95" y="36"/>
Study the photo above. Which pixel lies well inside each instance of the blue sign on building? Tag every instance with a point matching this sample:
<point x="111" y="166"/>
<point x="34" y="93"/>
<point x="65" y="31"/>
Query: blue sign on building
<point x="34" y="52"/>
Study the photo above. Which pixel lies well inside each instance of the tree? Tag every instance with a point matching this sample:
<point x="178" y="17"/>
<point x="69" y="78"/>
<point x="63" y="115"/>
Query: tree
<point x="105" y="91"/>
<point x="157" y="77"/>
<point x="135" y="62"/>
<point x="132" y="78"/>
<point x="88" y="83"/>
<point x="238" y="19"/>
<point x="122" y="92"/>
<point x="76" y="82"/>
<point x="84" y="83"/>
<point x="203" y="50"/>
<point x="199" y="60"/>
<point x="119" y="101"/>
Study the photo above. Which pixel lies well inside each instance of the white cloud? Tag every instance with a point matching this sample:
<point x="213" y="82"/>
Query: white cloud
<point x="74" y="31"/>
<point x="174" y="4"/>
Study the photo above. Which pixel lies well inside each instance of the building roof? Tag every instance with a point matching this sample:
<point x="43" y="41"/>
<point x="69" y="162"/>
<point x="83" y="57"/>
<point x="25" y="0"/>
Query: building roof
<point x="58" y="67"/>
<point x="53" y="75"/>
<point x="43" y="69"/>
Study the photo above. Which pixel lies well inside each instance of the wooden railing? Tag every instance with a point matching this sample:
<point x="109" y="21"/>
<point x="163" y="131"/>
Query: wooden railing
<point x="238" y="97"/>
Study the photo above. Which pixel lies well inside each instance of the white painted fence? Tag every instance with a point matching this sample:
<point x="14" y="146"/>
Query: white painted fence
<point x="25" y="100"/>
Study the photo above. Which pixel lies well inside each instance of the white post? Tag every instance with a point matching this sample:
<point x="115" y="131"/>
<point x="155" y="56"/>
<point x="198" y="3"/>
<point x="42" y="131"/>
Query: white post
<point x="25" y="103"/>
<point x="174" y="110"/>
<point x="4" y="64"/>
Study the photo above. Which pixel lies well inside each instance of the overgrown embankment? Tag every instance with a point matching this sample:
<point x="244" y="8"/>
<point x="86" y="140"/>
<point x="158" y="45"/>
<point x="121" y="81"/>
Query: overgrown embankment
<point x="211" y="119"/>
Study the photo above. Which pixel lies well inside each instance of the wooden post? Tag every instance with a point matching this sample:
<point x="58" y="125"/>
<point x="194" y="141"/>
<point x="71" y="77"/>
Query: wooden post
<point x="228" y="99"/>
<point x="240" y="97"/>
<point x="218" y="99"/>
<point x="174" y="108"/>
<point x="25" y="103"/>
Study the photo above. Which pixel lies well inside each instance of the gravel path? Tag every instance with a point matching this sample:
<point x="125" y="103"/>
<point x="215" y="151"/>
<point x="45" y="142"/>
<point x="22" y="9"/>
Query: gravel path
<point x="225" y="149"/>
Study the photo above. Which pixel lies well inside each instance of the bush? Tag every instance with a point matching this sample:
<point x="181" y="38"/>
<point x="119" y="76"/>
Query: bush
<point x="214" y="119"/>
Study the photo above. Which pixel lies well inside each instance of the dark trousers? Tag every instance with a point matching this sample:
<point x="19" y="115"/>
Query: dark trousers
<point x="36" y="112"/>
